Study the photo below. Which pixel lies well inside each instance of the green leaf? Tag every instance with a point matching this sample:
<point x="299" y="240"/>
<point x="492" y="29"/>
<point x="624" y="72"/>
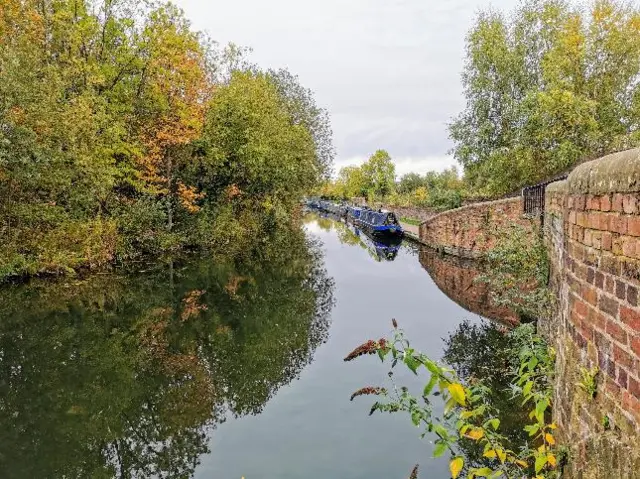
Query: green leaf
<point x="541" y="461"/>
<point x="416" y="417"/>
<point x="494" y="423"/>
<point x="526" y="390"/>
<point x="439" y="450"/>
<point x="483" y="472"/>
<point x="411" y="363"/>
<point x="430" y="385"/>
<point x="455" y="466"/>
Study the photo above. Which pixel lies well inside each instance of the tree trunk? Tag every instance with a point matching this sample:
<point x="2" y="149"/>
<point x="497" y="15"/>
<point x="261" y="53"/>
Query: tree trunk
<point x="169" y="193"/>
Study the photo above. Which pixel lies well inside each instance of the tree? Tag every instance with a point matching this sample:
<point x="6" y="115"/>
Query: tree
<point x="409" y="183"/>
<point x="304" y="111"/>
<point x="543" y="91"/>
<point x="379" y="173"/>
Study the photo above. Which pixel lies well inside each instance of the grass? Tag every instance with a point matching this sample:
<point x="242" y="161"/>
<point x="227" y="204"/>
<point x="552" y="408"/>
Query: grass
<point x="410" y="221"/>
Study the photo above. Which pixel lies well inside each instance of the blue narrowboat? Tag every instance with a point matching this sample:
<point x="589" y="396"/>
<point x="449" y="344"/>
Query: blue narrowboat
<point x="378" y="223"/>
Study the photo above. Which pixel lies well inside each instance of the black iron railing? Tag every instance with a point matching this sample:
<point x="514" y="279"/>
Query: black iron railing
<point x="533" y="196"/>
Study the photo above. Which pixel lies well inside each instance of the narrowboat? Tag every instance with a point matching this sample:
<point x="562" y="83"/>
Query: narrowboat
<point x="379" y="223"/>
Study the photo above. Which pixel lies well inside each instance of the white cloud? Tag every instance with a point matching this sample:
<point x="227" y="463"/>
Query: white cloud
<point x="405" y="164"/>
<point x="388" y="71"/>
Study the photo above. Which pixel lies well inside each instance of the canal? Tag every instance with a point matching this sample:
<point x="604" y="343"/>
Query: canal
<point x="224" y="370"/>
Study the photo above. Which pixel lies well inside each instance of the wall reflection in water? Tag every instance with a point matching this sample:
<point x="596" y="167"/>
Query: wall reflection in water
<point x="456" y="277"/>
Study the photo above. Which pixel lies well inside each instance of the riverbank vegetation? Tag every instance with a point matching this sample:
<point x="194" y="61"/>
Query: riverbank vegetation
<point x="125" y="134"/>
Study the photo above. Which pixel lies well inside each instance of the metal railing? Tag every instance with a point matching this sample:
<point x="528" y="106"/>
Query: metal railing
<point x="533" y="197"/>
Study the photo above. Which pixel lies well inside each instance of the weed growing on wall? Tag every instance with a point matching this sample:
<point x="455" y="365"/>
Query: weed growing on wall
<point x="517" y="271"/>
<point x="468" y="412"/>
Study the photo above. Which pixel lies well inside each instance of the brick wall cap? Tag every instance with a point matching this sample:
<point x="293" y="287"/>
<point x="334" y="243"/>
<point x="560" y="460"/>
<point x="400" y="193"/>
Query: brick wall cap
<point x="558" y="187"/>
<point x="615" y="173"/>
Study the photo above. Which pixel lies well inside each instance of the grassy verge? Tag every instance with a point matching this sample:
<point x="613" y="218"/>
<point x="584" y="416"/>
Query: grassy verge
<point x="410" y="221"/>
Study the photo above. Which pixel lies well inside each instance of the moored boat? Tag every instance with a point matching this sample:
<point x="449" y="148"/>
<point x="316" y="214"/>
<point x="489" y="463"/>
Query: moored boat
<point x="378" y="223"/>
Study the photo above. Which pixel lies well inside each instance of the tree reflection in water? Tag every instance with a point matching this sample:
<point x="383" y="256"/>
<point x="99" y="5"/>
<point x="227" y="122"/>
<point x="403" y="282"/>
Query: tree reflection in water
<point x="126" y="375"/>
<point x="486" y="352"/>
<point x="379" y="249"/>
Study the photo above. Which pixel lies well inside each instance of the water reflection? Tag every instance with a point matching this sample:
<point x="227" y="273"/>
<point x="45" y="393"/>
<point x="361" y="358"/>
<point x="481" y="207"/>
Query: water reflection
<point x="456" y="277"/>
<point x="485" y="352"/>
<point x="127" y="375"/>
<point x="380" y="249"/>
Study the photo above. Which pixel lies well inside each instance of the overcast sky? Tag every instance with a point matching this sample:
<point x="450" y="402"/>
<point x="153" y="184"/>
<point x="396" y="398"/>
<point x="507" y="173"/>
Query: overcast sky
<point x="388" y="71"/>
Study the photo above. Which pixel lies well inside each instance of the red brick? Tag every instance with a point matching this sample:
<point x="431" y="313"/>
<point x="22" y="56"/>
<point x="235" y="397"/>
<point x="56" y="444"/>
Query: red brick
<point x="581" y="219"/>
<point x="599" y="282"/>
<point x="629" y="204"/>
<point x="629" y="247"/>
<point x="608" y="305"/>
<point x="624" y="358"/>
<point x="630" y="317"/>
<point x="616" y="332"/>
<point x="635" y="345"/>
<point x="605" y="203"/>
<point x="580" y="308"/>
<point x="632" y="295"/>
<point x="596" y="239"/>
<point x="590" y="295"/>
<point x="618" y="224"/>
<point x="580" y="202"/>
<point x="622" y="378"/>
<point x="633" y="225"/>
<point x="621" y="289"/>
<point x="593" y="220"/>
<point x="593" y="203"/>
<point x="634" y="387"/>
<point x="572" y="217"/>
<point x="617" y="202"/>
<point x="607" y="240"/>
<point x="596" y="319"/>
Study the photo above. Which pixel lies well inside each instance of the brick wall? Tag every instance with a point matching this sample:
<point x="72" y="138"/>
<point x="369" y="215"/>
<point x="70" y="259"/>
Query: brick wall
<point x="592" y="224"/>
<point x="469" y="231"/>
<point x="456" y="277"/>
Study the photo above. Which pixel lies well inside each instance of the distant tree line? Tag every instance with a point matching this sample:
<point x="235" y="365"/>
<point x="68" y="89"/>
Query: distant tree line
<point x="124" y="133"/>
<point x="375" y="180"/>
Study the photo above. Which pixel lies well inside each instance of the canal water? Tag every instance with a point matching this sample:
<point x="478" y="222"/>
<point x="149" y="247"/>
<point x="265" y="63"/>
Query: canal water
<point x="224" y="370"/>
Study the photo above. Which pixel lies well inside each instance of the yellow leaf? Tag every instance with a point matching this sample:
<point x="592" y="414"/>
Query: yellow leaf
<point x="522" y="463"/>
<point x="553" y="426"/>
<point x="455" y="466"/>
<point x="542" y="448"/>
<point x="551" y="459"/>
<point x="457" y="393"/>
<point x="501" y="455"/>
<point x="490" y="454"/>
<point x="475" y="434"/>
<point x="549" y="438"/>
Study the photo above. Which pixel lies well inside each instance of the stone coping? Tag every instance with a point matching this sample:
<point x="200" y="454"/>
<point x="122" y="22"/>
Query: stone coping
<point x="615" y="173"/>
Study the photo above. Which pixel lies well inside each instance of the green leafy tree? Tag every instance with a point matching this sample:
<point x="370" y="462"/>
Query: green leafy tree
<point x="379" y="174"/>
<point x="543" y="91"/>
